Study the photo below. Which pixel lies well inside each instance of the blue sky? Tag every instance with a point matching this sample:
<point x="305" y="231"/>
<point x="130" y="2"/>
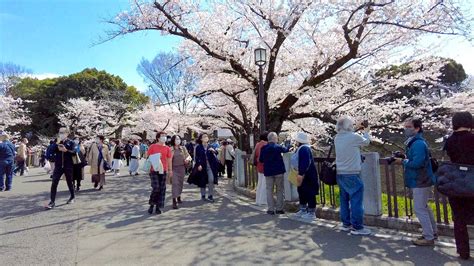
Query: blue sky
<point x="56" y="37"/>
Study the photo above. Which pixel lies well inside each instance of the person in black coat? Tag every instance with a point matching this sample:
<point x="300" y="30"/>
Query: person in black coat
<point x="206" y="167"/>
<point x="460" y="149"/>
<point x="64" y="150"/>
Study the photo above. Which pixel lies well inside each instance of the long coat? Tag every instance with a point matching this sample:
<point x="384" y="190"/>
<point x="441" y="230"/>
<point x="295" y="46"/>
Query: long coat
<point x="307" y="169"/>
<point x="93" y="159"/>
<point x="200" y="158"/>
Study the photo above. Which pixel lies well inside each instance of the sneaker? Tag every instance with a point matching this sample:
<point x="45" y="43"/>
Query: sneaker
<point x="50" y="205"/>
<point x="203" y="198"/>
<point x="299" y="214"/>
<point x="361" y="232"/>
<point x="150" y="210"/>
<point x="271" y="212"/>
<point x="423" y="242"/>
<point x="435" y="237"/>
<point x="309" y="216"/>
<point x="210" y="198"/>
<point x="280" y="212"/>
<point x="158" y="211"/>
<point x="70" y="201"/>
<point x="345" y="228"/>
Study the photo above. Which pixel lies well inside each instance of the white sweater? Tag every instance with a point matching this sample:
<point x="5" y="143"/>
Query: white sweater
<point x="348" y="160"/>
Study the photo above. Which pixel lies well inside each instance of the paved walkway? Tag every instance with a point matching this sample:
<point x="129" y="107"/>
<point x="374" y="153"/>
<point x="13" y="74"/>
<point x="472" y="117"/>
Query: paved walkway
<point x="112" y="227"/>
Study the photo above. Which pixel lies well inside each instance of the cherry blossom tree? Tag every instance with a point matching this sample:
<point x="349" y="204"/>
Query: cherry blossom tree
<point x="316" y="49"/>
<point x="12" y="113"/>
<point x="88" y="118"/>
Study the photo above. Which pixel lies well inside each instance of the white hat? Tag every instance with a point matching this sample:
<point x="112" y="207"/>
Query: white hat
<point x="229" y="140"/>
<point x="302" y="137"/>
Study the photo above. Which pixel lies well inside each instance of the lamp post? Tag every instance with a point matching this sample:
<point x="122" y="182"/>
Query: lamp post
<point x="260" y="61"/>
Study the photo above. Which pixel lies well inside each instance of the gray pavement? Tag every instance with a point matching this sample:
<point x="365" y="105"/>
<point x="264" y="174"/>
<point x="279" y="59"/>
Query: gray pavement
<point x="112" y="227"/>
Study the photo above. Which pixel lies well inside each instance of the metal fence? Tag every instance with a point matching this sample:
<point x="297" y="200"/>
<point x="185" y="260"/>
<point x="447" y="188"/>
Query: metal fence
<point x="397" y="200"/>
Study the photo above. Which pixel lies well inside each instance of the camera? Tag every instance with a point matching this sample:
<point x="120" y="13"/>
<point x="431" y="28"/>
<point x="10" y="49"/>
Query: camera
<point x="396" y="155"/>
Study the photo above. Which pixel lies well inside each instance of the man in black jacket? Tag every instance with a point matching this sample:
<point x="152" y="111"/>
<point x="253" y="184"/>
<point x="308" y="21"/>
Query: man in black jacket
<point x="64" y="150"/>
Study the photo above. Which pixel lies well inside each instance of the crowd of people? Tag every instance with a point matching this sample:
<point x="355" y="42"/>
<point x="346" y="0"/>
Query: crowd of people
<point x="169" y="158"/>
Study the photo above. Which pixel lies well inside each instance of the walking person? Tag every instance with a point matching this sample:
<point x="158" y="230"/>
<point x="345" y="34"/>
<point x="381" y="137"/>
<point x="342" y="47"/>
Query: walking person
<point x="117" y="154"/>
<point x="7" y="156"/>
<point x="78" y="169"/>
<point x="460" y="149"/>
<point x="180" y="161"/>
<point x="419" y="178"/>
<point x="65" y="149"/>
<point x="228" y="157"/>
<point x="99" y="159"/>
<point x="307" y="172"/>
<point x="128" y="151"/>
<point x="134" y="159"/>
<point x="21" y="156"/>
<point x="207" y="165"/>
<point x="50" y="155"/>
<point x="349" y="166"/>
<point x="261" y="197"/>
<point x="158" y="180"/>
<point x="274" y="170"/>
<point x="143" y="148"/>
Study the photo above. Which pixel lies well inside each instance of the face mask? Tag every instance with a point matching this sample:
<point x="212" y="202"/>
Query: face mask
<point x="76" y="141"/>
<point x="62" y="136"/>
<point x="97" y="140"/>
<point x="410" y="132"/>
<point x="177" y="141"/>
<point x="163" y="139"/>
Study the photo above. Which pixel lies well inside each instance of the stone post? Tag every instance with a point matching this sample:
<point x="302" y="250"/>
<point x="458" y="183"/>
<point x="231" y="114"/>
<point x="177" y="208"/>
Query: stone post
<point x="239" y="168"/>
<point x="370" y="175"/>
<point x="291" y="192"/>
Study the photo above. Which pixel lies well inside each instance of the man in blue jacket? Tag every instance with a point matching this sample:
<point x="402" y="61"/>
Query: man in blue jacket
<point x="420" y="178"/>
<point x="273" y="169"/>
<point x="64" y="150"/>
<point x="7" y="155"/>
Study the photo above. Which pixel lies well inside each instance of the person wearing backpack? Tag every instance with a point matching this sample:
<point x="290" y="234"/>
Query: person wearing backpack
<point x="307" y="177"/>
<point x="460" y="149"/>
<point x="419" y="178"/>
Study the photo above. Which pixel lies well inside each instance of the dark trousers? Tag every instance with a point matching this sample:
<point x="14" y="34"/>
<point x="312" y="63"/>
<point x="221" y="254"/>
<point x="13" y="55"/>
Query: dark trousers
<point x="77" y="175"/>
<point x="127" y="156"/>
<point x="20" y="166"/>
<point x="6" y="169"/>
<point x="306" y="199"/>
<point x="229" y="164"/>
<point x="158" y="189"/>
<point x="58" y="172"/>
<point x="463" y="214"/>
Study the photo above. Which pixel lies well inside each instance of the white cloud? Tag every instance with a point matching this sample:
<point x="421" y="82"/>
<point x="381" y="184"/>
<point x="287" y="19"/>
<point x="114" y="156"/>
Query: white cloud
<point x="41" y="76"/>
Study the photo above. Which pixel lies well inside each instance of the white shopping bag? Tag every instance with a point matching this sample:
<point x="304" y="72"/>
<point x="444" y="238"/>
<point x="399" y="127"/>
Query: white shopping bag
<point x="155" y="160"/>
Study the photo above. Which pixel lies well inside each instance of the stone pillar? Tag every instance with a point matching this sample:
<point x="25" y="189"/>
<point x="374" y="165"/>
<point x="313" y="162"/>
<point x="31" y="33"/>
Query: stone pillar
<point x="239" y="175"/>
<point x="291" y="192"/>
<point x="370" y="175"/>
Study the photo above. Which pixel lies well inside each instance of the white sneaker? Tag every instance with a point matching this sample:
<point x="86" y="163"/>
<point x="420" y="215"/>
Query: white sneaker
<point x="309" y="216"/>
<point x="345" y="228"/>
<point x="361" y="232"/>
<point x="299" y="214"/>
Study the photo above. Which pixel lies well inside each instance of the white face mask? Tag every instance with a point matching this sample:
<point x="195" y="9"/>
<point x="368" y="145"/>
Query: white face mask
<point x="163" y="139"/>
<point x="97" y="140"/>
<point x="76" y="141"/>
<point x="177" y="141"/>
<point x="62" y="136"/>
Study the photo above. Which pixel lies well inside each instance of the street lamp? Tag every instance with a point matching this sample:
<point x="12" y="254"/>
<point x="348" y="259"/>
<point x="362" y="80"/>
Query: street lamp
<point x="260" y="61"/>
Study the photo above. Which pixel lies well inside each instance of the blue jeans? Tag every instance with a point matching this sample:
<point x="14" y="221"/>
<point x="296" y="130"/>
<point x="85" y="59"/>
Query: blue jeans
<point x="351" y="191"/>
<point x="7" y="170"/>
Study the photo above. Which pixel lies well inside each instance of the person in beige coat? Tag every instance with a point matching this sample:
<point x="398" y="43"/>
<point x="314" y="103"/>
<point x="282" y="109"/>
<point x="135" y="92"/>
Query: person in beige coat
<point x="97" y="156"/>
